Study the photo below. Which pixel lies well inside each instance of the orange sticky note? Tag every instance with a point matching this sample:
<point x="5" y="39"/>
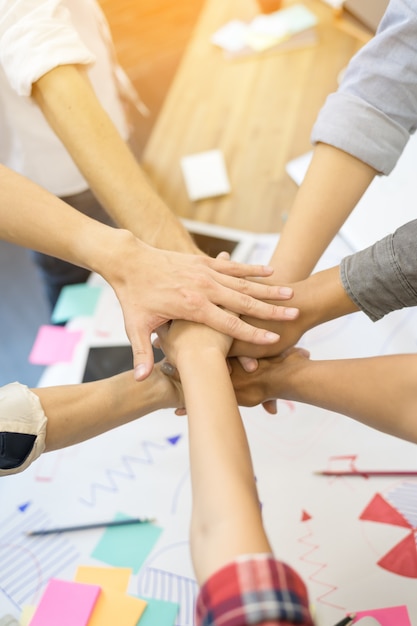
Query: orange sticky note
<point x="116" y="607"/>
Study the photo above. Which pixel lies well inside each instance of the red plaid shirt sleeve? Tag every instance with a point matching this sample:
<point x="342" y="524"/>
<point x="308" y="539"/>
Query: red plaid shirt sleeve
<point x="253" y="589"/>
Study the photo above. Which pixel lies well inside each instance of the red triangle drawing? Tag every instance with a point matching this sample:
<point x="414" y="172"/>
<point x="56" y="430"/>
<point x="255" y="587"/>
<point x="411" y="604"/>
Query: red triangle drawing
<point x="402" y="559"/>
<point x="379" y="510"/>
<point x="305" y="516"/>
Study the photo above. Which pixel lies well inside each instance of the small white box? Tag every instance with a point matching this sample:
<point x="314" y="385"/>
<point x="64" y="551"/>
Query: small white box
<point x="205" y="175"/>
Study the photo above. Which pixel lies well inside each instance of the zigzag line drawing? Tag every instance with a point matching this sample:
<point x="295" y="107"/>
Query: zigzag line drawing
<point x="112" y="477"/>
<point x="313" y="547"/>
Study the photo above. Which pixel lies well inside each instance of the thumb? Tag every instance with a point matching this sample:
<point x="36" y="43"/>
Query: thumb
<point x="143" y="358"/>
<point x="270" y="406"/>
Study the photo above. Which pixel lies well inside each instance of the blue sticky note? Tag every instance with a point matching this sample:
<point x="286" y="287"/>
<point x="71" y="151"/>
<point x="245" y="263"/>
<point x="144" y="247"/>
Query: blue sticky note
<point x="127" y="546"/>
<point x="75" y="300"/>
<point x="159" y="612"/>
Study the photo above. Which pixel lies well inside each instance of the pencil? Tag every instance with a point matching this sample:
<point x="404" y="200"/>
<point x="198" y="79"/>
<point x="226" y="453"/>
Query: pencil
<point x="67" y="529"/>
<point x="366" y="473"/>
<point x="346" y="621"/>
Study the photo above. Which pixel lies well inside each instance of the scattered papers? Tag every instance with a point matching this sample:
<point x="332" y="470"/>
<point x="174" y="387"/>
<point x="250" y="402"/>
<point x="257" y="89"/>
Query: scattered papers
<point x="266" y="32"/>
<point x="75" y="300"/>
<point x="391" y="616"/>
<point x="98" y="596"/>
<point x="66" y="603"/>
<point x="205" y="175"/>
<point x="115" y="546"/>
<point x="54" y="344"/>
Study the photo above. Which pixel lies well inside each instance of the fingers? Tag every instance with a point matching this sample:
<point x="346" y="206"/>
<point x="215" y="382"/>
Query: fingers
<point x="230" y="325"/>
<point x="233" y="268"/>
<point x="248" y="363"/>
<point x="247" y="298"/>
<point x="270" y="406"/>
<point x="143" y="359"/>
<point x="258" y="290"/>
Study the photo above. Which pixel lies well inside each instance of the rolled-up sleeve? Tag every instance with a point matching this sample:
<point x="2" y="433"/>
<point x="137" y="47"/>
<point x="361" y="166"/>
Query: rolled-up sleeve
<point x="374" y="111"/>
<point x="383" y="277"/>
<point x="22" y="428"/>
<point x="36" y="37"/>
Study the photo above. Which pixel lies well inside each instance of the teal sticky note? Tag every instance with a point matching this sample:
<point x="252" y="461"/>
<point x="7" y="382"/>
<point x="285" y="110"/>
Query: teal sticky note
<point x="75" y="300"/>
<point x="159" y="612"/>
<point x="127" y="546"/>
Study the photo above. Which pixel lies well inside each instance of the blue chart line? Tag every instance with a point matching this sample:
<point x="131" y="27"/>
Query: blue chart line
<point x="162" y="585"/>
<point x="112" y="477"/>
<point x="27" y="563"/>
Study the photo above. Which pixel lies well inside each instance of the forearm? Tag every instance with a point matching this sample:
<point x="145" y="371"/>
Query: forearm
<point x="385" y="390"/>
<point x="72" y="109"/>
<point x="33" y="218"/>
<point x="79" y="412"/>
<point x="226" y="517"/>
<point x="333" y="185"/>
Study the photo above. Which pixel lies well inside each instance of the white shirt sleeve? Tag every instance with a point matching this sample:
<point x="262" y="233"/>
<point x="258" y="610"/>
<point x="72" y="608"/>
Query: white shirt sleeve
<point x="35" y="37"/>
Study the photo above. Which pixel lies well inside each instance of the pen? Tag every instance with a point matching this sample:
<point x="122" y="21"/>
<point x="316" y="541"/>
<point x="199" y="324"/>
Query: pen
<point x="346" y="621"/>
<point x="66" y="529"/>
<point x="365" y="473"/>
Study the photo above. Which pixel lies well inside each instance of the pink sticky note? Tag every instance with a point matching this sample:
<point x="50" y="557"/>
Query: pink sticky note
<point x="54" y="344"/>
<point x="390" y="616"/>
<point x="66" y="603"/>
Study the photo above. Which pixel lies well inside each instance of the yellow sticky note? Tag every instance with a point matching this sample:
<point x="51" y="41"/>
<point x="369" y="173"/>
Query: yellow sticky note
<point x="116" y="578"/>
<point x="27" y="614"/>
<point x="116" y="607"/>
<point x="113" y="606"/>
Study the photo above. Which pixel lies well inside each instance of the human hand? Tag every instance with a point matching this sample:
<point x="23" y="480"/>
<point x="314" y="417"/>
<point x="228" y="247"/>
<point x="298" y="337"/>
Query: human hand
<point x="274" y="378"/>
<point x="307" y="300"/>
<point x="182" y="339"/>
<point x="154" y="286"/>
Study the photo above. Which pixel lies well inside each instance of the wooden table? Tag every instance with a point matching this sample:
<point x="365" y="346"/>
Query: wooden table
<point x="259" y="111"/>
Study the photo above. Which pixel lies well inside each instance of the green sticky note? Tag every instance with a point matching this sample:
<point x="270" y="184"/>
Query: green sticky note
<point x="159" y="612"/>
<point x="127" y="546"/>
<point x="75" y="300"/>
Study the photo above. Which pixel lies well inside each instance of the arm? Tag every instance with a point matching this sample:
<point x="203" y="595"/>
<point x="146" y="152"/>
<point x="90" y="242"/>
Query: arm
<point x="378" y="280"/>
<point x="227" y="532"/>
<point x="74" y="112"/>
<point x="385" y="395"/>
<point x="334" y="183"/>
<point x="79" y="412"/>
<point x="152" y="285"/>
<point x="39" y="420"/>
<point x="361" y="131"/>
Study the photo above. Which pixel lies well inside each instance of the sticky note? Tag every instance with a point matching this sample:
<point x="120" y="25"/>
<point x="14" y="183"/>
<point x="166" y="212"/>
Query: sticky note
<point x="27" y="614"/>
<point x="205" y="174"/>
<point x="75" y="300"/>
<point x="54" y="344"/>
<point x="390" y="616"/>
<point x="127" y="546"/>
<point x="116" y="578"/>
<point x="159" y="612"/>
<point x="65" y="603"/>
<point x="115" y="607"/>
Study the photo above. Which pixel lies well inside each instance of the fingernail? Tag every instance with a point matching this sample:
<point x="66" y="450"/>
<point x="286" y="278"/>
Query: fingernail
<point x="167" y="369"/>
<point x="285" y="291"/>
<point x="290" y="312"/>
<point x="250" y="366"/>
<point x="271" y="336"/>
<point x="140" y="371"/>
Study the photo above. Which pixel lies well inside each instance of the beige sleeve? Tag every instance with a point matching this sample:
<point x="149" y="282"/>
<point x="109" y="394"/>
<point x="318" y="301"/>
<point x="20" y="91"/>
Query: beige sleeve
<point x="21" y="413"/>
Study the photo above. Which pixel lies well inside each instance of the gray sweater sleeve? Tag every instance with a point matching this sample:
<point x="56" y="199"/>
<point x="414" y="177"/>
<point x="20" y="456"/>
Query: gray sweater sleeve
<point x="374" y="111"/>
<point x="383" y="277"/>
